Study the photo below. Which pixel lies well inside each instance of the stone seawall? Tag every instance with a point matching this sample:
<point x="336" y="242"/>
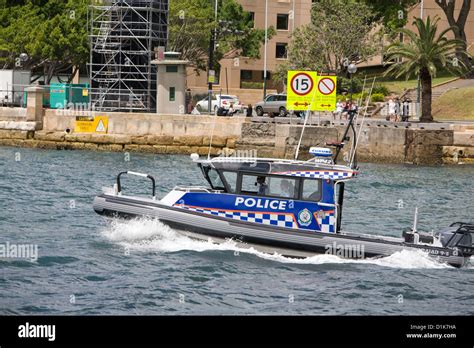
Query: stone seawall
<point x="377" y="143"/>
<point x="186" y="134"/>
<point x="118" y="143"/>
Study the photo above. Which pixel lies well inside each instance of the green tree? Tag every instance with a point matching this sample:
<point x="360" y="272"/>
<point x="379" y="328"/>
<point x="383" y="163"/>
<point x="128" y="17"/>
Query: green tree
<point x="52" y="32"/>
<point x="340" y="31"/>
<point x="423" y="54"/>
<point x="457" y="18"/>
<point x="392" y="14"/>
<point x="191" y="23"/>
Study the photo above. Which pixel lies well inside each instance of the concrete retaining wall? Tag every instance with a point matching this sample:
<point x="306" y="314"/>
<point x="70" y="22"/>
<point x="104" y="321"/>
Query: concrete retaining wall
<point x="185" y="134"/>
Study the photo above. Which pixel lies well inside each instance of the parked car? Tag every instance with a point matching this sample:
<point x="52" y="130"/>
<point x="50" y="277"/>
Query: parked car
<point x="220" y="101"/>
<point x="274" y="105"/>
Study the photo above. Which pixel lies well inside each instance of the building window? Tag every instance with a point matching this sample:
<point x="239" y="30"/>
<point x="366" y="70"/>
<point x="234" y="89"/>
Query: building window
<point x="282" y="21"/>
<point x="246" y="75"/>
<point x="171" y="68"/>
<point x="252" y="18"/>
<point x="172" y="94"/>
<point x="281" y="50"/>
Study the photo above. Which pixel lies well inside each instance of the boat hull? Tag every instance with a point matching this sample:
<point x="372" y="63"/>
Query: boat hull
<point x="269" y="239"/>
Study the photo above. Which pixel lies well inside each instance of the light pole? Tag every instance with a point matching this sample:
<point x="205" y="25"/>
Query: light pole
<point x="352" y="69"/>
<point x="418" y="90"/>
<point x="265" y="53"/>
<point x="212" y="47"/>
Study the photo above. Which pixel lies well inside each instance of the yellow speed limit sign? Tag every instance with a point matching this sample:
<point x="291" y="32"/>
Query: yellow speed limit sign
<point x="302" y="86"/>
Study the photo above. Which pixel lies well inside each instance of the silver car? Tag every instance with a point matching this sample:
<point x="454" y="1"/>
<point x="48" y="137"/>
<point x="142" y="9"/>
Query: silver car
<point x="273" y="105"/>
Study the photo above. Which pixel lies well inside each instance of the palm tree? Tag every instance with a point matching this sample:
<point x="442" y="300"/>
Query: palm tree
<point x="423" y="55"/>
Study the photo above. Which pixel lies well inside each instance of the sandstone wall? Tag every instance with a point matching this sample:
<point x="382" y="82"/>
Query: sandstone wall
<point x="185" y="134"/>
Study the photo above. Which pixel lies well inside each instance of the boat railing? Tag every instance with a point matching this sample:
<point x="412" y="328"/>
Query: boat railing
<point x="196" y="189"/>
<point x="119" y="182"/>
<point x="274" y="161"/>
<point x="329" y="205"/>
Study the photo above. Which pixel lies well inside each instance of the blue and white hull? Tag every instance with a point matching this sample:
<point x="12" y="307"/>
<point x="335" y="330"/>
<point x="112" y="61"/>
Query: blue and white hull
<point x="247" y="220"/>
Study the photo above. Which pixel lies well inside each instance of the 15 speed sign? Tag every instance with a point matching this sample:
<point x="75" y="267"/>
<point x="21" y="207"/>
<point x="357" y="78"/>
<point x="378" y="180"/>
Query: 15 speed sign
<point x="301" y="89"/>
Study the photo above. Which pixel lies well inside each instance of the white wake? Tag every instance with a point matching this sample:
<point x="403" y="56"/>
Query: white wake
<point x="150" y="235"/>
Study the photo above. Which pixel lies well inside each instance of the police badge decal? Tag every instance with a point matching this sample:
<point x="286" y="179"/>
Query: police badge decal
<point x="305" y="218"/>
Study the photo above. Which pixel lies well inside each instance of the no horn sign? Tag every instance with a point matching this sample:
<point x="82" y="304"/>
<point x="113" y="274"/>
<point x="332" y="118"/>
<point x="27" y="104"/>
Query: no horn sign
<point x="326" y="86"/>
<point x="326" y="97"/>
<point x="308" y="91"/>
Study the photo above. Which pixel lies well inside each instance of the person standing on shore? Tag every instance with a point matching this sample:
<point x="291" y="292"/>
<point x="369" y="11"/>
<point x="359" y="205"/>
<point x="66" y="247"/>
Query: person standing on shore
<point x="406" y="110"/>
<point x="398" y="110"/>
<point x="391" y="110"/>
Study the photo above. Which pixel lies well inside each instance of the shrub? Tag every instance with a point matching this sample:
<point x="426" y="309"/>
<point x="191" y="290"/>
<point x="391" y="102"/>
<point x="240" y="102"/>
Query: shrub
<point x="251" y="85"/>
<point x="378" y="97"/>
<point x="344" y="85"/>
<point x="381" y="89"/>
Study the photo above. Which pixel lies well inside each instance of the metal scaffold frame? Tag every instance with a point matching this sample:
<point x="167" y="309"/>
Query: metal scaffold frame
<point x="124" y="35"/>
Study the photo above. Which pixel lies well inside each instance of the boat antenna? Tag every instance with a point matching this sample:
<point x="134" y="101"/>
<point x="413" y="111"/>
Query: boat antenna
<point x="354" y="149"/>
<point x="212" y="136"/>
<point x="305" y="123"/>
<point x="415" y="221"/>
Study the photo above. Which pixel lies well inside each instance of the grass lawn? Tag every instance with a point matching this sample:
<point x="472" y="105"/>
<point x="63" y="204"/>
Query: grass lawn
<point x="399" y="87"/>
<point x="457" y="104"/>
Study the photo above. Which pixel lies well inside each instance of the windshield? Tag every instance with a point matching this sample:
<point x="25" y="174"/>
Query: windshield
<point x="212" y="176"/>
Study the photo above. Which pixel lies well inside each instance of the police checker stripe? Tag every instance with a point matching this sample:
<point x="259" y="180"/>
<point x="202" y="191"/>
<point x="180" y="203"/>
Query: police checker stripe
<point x="274" y="219"/>
<point x="327" y="223"/>
<point x="331" y="175"/>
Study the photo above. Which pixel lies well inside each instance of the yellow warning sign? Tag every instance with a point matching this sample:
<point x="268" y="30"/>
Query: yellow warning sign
<point x="301" y="88"/>
<point x="92" y="124"/>
<point x="326" y="97"/>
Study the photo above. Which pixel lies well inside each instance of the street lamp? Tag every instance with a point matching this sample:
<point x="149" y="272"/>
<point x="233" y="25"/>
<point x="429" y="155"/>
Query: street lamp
<point x="352" y="69"/>
<point x="265" y="53"/>
<point x="24" y="57"/>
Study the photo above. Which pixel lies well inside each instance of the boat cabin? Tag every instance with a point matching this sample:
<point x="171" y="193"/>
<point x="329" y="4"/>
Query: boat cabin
<point x="291" y="194"/>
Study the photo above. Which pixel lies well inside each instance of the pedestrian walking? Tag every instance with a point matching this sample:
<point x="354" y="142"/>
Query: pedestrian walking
<point x="406" y="110"/>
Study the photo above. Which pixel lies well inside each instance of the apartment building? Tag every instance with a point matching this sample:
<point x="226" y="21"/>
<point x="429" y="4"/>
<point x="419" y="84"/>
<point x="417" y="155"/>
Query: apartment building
<point x="238" y="76"/>
<point x="245" y="73"/>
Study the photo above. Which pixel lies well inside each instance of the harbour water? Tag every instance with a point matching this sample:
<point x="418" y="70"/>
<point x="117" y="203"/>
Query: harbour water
<point x="88" y="266"/>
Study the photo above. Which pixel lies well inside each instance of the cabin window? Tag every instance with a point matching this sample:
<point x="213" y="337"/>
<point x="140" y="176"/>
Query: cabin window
<point x="250" y="184"/>
<point x="312" y="190"/>
<point x="269" y="186"/>
<point x="282" y="187"/>
<point x="214" y="179"/>
<point x="231" y="178"/>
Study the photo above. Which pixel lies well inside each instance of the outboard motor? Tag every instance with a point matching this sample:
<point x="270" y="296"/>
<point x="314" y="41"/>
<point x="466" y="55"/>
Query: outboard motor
<point x="414" y="237"/>
<point x="459" y="235"/>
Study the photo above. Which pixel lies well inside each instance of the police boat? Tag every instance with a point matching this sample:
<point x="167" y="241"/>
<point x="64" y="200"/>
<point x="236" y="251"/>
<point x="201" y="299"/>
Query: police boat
<point x="289" y="207"/>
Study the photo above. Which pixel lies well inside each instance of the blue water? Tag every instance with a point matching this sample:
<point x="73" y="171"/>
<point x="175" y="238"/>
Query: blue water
<point x="87" y="266"/>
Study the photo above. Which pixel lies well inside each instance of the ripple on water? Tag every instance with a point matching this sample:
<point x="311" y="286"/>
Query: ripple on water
<point x="56" y="260"/>
<point x="84" y="256"/>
